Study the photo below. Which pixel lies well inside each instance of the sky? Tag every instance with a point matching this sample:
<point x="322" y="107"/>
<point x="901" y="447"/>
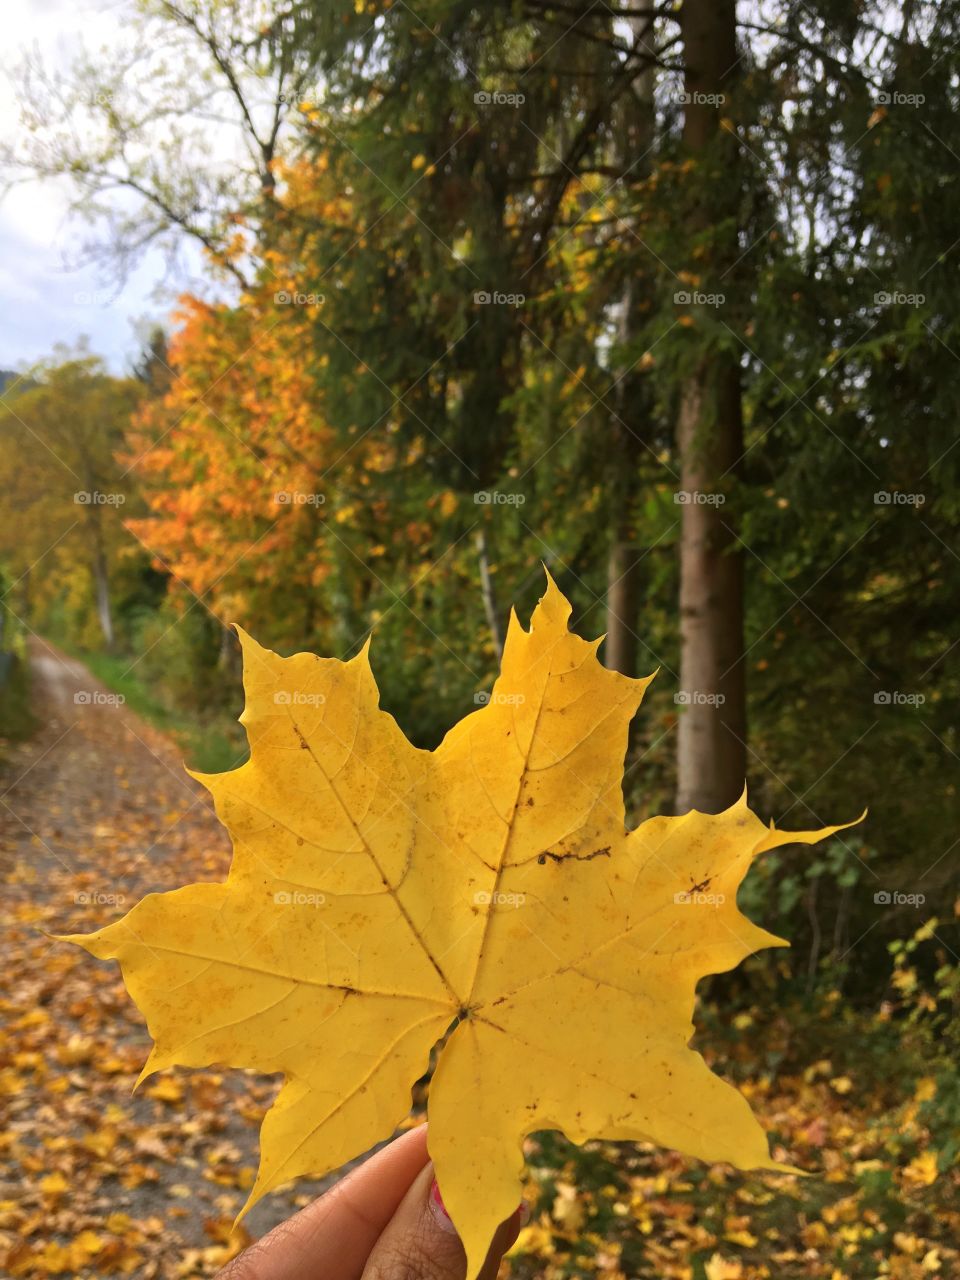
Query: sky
<point x="45" y="298"/>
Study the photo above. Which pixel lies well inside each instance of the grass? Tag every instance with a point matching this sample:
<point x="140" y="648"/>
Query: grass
<point x="209" y="744"/>
<point x="17" y="721"/>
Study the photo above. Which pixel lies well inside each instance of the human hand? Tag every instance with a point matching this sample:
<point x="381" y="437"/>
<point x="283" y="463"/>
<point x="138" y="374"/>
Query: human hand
<point x="384" y="1221"/>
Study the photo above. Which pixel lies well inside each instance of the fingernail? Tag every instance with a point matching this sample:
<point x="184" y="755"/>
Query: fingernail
<point x="439" y="1210"/>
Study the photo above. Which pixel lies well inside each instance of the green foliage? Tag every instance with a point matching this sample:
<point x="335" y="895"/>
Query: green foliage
<point x="398" y="195"/>
<point x="210" y="743"/>
<point x="16" y="718"/>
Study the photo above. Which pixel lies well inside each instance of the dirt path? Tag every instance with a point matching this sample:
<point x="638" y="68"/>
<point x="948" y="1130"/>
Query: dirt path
<point x="95" y="811"/>
<point x="93" y="769"/>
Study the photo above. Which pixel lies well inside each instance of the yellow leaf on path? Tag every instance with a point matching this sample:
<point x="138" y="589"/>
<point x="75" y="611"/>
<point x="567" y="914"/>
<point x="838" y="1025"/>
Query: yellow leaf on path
<point x="720" y="1268"/>
<point x="55" y="1259"/>
<point x="76" y="1050"/>
<point x="86" y="1245"/>
<point x="54" y="1184"/>
<point x="167" y="1090"/>
<point x="743" y="1238"/>
<point x="101" y="1143"/>
<point x="382" y="899"/>
<point x="10" y="1083"/>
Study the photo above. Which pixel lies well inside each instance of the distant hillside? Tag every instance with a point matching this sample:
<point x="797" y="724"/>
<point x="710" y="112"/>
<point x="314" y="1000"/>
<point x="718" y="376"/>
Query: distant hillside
<point x="6" y="377"/>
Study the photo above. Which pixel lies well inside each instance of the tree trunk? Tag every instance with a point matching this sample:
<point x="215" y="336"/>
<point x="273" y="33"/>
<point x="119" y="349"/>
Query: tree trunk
<point x="230" y="656"/>
<point x="489" y="595"/>
<point x="711" y="752"/>
<point x="101" y="582"/>
<point x="623" y="603"/>
<point x="711" y="747"/>
<point x="630" y="418"/>
<point x="623" y="567"/>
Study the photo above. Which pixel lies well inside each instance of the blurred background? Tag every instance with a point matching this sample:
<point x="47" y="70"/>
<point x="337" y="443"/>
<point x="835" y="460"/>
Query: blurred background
<point x="331" y="319"/>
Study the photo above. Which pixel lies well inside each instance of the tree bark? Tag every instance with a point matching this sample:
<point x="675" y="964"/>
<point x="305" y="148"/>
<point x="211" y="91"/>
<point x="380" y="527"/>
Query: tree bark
<point x="101" y="582"/>
<point x="629" y="420"/>
<point x="623" y="603"/>
<point x="711" y="742"/>
<point x="489" y="594"/>
<point x="230" y="656"/>
<point x="621" y="646"/>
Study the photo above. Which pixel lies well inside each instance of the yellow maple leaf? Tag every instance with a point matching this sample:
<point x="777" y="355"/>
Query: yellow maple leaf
<point x="382" y="899"/>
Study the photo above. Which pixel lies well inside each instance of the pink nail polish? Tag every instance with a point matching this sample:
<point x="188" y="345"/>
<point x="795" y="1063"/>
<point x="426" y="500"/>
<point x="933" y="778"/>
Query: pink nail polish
<point x="439" y="1209"/>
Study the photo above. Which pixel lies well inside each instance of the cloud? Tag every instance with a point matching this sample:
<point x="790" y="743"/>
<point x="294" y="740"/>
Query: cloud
<point x="45" y="298"/>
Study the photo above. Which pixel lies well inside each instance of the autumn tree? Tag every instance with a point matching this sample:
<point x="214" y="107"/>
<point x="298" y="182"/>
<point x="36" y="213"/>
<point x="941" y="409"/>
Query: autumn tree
<point x="175" y="139"/>
<point x="65" y="487"/>
<point x="703" y="252"/>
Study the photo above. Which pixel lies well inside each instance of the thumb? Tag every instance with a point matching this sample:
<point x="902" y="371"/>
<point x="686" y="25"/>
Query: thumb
<point x="421" y="1243"/>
